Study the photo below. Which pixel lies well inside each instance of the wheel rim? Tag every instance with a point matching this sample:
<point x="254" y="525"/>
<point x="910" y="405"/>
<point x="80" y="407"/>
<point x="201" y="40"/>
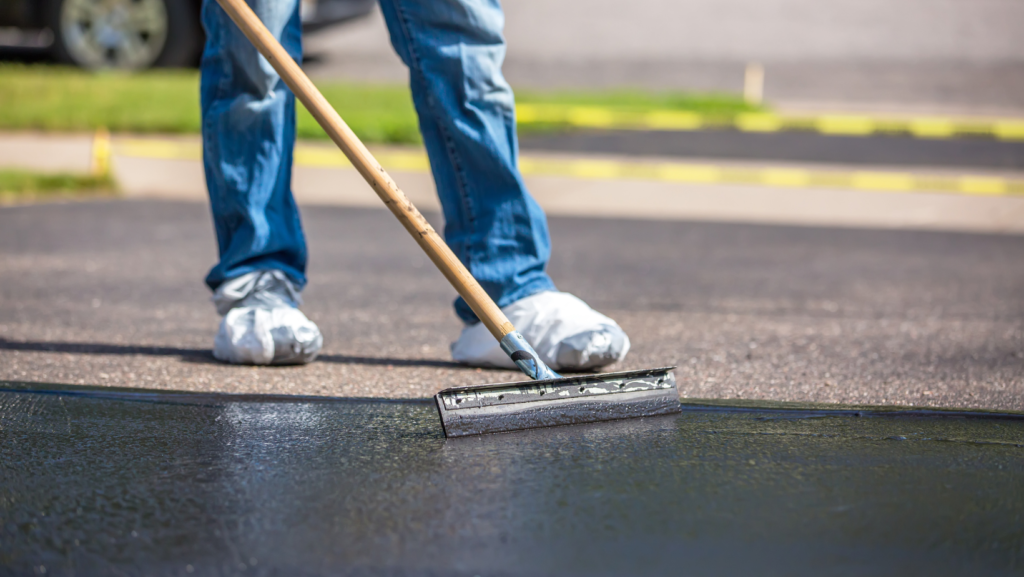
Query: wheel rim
<point x="114" y="33"/>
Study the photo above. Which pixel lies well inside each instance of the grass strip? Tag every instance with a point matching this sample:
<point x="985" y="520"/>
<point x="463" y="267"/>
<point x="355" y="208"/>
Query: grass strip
<point x="53" y="98"/>
<point x="20" y="185"/>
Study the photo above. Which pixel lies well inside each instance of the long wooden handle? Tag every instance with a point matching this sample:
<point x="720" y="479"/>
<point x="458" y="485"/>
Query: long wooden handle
<point x="367" y="165"/>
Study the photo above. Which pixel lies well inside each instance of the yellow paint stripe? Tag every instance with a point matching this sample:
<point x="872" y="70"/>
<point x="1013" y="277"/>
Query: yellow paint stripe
<point x="932" y="128"/>
<point x="599" y="169"/>
<point x="758" y="122"/>
<point x="591" y="117"/>
<point x="845" y="125"/>
<point x="408" y="161"/>
<point x="672" y="120"/>
<point x="839" y="124"/>
<point x="100" y="165"/>
<point x="785" y="177"/>
<point x="320" y="157"/>
<point x="882" y="181"/>
<point x="1009" y="130"/>
<point x="982" y="185"/>
<point x="164" y="149"/>
<point x="696" y="173"/>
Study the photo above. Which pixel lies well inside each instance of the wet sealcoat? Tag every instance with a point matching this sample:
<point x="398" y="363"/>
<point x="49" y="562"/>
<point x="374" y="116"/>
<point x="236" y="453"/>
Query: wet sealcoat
<point x="134" y="482"/>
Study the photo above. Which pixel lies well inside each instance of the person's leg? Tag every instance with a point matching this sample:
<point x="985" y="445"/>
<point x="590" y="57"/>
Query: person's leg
<point x="454" y="50"/>
<point x="248" y="137"/>
<point x="248" y="119"/>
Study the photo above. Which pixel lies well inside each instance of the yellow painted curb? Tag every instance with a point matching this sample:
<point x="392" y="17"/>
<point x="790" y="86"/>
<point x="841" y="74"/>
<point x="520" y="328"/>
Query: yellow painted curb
<point x="600" y="169"/>
<point x="833" y="124"/>
<point x="99" y="164"/>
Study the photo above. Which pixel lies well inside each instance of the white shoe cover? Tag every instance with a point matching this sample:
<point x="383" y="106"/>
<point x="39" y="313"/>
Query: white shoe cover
<point x="261" y="325"/>
<point x="564" y="330"/>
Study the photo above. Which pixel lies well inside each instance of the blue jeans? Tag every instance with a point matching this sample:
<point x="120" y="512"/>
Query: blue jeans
<point x="454" y="50"/>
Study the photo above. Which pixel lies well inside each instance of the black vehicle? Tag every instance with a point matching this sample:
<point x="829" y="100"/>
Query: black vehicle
<point x="136" y="34"/>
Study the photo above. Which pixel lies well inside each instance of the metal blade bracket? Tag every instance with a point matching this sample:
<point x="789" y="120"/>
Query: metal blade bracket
<point x="477" y="410"/>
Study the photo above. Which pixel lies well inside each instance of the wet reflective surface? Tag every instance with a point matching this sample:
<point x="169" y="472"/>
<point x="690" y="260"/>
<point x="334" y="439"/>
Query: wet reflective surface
<point x="117" y="482"/>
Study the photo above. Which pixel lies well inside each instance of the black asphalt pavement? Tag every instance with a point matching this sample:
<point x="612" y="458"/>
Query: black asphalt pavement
<point x="111" y="293"/>
<point x="874" y="150"/>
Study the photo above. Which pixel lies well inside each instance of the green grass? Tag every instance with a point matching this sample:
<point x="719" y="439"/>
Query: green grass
<point x="167" y="101"/>
<point x="53" y="98"/>
<point x="16" y="185"/>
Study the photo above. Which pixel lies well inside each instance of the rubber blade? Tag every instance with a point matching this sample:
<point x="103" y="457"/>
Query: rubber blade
<point x="498" y="408"/>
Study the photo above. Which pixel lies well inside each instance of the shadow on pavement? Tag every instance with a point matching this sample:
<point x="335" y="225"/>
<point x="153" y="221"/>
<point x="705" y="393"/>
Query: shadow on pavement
<point x="202" y="355"/>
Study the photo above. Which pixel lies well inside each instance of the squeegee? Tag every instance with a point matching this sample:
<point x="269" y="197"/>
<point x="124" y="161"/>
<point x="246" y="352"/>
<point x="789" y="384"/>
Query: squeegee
<point x="549" y="399"/>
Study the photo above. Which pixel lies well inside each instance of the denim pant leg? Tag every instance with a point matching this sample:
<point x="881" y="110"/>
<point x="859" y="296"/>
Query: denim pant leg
<point x="454" y="50"/>
<point x="248" y="139"/>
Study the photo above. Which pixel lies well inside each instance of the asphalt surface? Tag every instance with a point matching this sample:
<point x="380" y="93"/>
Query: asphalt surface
<point x="876" y="150"/>
<point x="111" y="293"/>
<point x="136" y="483"/>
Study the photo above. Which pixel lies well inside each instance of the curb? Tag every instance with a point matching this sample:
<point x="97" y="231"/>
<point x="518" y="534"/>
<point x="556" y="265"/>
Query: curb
<point x="592" y="117"/>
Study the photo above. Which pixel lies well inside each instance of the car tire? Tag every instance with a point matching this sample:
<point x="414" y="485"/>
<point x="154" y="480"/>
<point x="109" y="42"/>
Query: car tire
<point x="171" y="35"/>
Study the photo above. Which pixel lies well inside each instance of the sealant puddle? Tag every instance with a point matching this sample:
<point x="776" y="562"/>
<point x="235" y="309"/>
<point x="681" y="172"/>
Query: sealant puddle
<point x="103" y="481"/>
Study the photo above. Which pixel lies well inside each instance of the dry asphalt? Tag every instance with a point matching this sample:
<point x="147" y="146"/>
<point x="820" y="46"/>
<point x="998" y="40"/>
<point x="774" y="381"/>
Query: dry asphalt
<point x="111" y="293"/>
